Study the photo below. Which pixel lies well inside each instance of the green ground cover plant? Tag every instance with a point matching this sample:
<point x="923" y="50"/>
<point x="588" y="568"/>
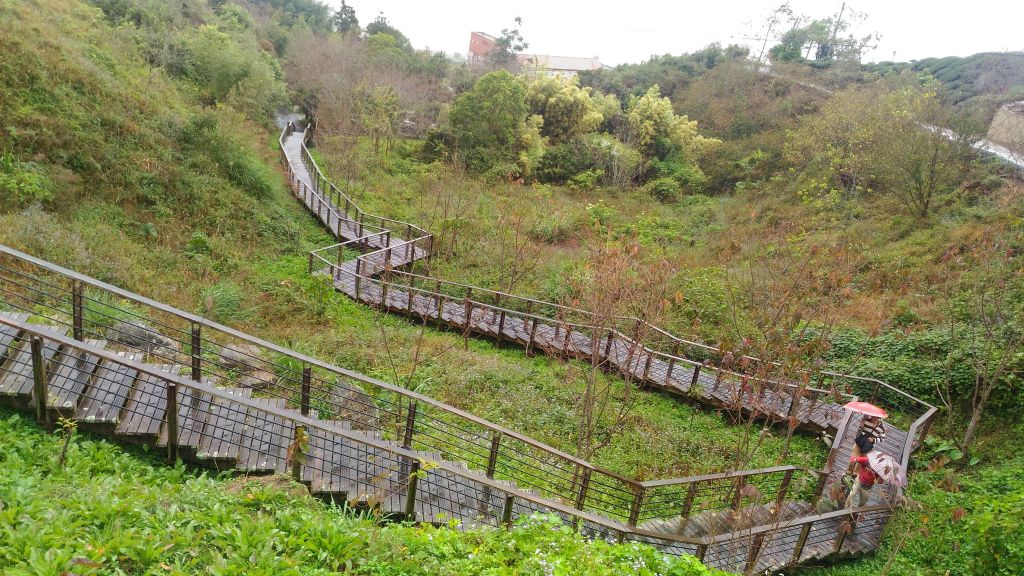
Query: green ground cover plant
<point x="111" y="510"/>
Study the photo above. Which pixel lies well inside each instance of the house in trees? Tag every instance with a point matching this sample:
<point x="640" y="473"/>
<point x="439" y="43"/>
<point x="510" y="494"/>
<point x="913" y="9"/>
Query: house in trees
<point x="481" y="44"/>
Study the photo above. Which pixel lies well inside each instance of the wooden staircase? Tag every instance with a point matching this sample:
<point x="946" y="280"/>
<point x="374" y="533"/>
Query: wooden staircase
<point x="368" y="266"/>
<point x="406" y="455"/>
<point x="113" y="393"/>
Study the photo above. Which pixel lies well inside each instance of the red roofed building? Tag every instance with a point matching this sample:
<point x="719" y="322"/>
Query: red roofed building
<point x="481" y="44"/>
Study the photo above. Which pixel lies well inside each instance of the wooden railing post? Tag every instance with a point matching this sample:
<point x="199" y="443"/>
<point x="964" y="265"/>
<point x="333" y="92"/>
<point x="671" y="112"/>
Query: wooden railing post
<point x="647" y="365"/>
<point x="39" y="379"/>
<point x="172" y="423"/>
<point x="359" y="272"/>
<point x="702" y="550"/>
<point x="410" y="425"/>
<point x="76" y="310"/>
<point x="696" y="375"/>
<point x="501" y="324"/>
<point x="310" y="268"/>
<point x="410" y="495"/>
<point x="533" y="335"/>
<point x="800" y="542"/>
<point x="506" y="512"/>
<point x="787" y="478"/>
<point x="307" y="379"/>
<point x="634" y="510"/>
<point x="469" y="310"/>
<point x="844" y="530"/>
<point x="691" y="493"/>
<point x="197" y="352"/>
<point x="753" y="553"/>
<point x="581" y="495"/>
<point x="408" y="294"/>
<point x="440" y="303"/>
<point x="297" y="457"/>
<point x="492" y="456"/>
<point x="672" y="362"/>
<point x="608" y="345"/>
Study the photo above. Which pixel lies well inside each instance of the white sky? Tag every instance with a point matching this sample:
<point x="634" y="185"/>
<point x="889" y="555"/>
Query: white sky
<point x="632" y="31"/>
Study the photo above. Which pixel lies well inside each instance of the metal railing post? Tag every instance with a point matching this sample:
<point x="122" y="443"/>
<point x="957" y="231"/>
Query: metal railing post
<point x="39" y="379"/>
<point x="172" y="423"/>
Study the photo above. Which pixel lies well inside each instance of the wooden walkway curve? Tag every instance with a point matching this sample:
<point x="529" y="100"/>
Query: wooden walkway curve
<point x="140" y="371"/>
<point x="366" y="265"/>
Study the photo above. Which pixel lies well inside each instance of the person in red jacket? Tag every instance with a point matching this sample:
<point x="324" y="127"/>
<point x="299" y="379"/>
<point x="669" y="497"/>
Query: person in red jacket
<point x="866" y="478"/>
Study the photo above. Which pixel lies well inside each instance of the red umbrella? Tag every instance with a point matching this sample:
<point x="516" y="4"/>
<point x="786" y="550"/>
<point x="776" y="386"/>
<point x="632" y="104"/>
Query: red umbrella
<point x="866" y="408"/>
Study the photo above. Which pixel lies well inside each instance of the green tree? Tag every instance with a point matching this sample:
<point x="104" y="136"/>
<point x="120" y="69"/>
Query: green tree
<point x="344" y="19"/>
<point x="377" y="112"/>
<point x="916" y="159"/>
<point x="489" y="121"/>
<point x="835" y="145"/>
<point x="987" y="318"/>
<point x="509" y="43"/>
<point x="380" y="25"/>
<point x="567" y="110"/>
<point x="650" y="117"/>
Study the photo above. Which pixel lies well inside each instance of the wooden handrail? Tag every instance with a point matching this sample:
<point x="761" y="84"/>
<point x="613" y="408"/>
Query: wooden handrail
<point x="328" y="426"/>
<point x="726" y="475"/>
<point x="356" y="376"/>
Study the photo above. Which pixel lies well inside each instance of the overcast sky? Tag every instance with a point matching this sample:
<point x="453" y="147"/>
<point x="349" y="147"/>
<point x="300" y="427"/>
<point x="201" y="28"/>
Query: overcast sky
<point x="632" y="31"/>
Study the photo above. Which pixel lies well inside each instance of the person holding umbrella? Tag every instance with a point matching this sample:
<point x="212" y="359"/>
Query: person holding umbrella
<point x="871" y="430"/>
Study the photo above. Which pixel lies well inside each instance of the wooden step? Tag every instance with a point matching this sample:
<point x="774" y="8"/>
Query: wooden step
<point x="8" y="334"/>
<point x="265" y="440"/>
<point x="16" y="373"/>
<point x="71" y="378"/>
<point x="222" y="432"/>
<point x="102" y="402"/>
<point x="193" y="409"/>
<point x="144" y="412"/>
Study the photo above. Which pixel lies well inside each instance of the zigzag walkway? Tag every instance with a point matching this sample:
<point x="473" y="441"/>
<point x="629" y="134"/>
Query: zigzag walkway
<point x="140" y="371"/>
<point x="374" y="277"/>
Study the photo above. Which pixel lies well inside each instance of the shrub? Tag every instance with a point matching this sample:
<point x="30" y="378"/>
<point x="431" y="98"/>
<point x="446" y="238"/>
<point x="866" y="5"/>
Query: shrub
<point x="586" y="180"/>
<point x="223" y="302"/>
<point x="663" y="189"/>
<point x="199" y="243"/>
<point x="560" y="163"/>
<point x="22" y="183"/>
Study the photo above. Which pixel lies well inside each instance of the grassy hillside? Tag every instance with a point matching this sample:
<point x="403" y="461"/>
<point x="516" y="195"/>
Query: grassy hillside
<point x="217" y="233"/>
<point x="135" y="148"/>
<point x="112" y="511"/>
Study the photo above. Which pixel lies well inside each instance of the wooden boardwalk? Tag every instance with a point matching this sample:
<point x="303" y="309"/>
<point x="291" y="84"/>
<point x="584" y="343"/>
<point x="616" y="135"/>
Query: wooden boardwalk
<point x="225" y="428"/>
<point x="374" y="445"/>
<point x="375" y="278"/>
